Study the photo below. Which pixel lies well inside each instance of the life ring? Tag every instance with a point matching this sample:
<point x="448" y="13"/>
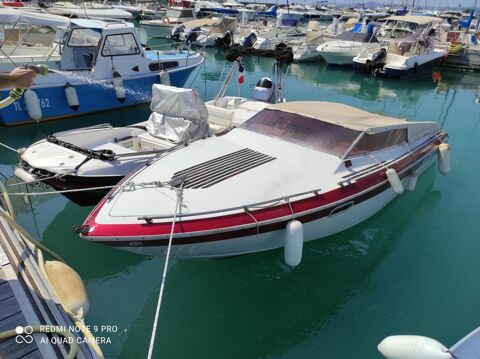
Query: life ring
<point x="166" y="20"/>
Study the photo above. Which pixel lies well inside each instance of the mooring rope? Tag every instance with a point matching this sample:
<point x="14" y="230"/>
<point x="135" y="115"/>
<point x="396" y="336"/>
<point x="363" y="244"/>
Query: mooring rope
<point x="33" y="194"/>
<point x="8" y="147"/>
<point x="178" y="206"/>
<point x="58" y="175"/>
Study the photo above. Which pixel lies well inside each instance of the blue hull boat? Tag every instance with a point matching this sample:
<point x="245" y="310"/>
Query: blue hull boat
<point x="102" y="67"/>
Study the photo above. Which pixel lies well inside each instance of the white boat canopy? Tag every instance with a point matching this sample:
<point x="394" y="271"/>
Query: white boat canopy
<point x="416" y="19"/>
<point x="14" y="17"/>
<point x="355" y="119"/>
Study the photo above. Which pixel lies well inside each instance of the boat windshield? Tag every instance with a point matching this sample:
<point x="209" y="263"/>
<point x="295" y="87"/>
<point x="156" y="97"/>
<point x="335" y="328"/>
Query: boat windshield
<point x="173" y="13"/>
<point x="84" y="37"/>
<point x="305" y="131"/>
<point x="356" y="36"/>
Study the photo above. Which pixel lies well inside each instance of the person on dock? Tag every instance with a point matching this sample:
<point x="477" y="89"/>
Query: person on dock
<point x="19" y="77"/>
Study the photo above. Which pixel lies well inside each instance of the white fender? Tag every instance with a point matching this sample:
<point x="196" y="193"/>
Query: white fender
<point x="444" y="161"/>
<point x="164" y="78"/>
<point x="412" y="347"/>
<point x="412" y="181"/>
<point x="33" y="105"/>
<point x="72" y="98"/>
<point x="394" y="181"/>
<point x="68" y="286"/>
<point x="293" y="243"/>
<point x="119" y="88"/>
<point x="24" y="175"/>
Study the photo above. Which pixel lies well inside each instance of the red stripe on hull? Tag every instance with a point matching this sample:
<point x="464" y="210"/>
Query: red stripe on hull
<point x="242" y="219"/>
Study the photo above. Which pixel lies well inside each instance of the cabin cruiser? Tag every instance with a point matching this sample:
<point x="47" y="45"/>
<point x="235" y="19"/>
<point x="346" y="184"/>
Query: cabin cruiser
<point x="97" y="11"/>
<point x="342" y="49"/>
<point x="102" y="67"/>
<point x="85" y="163"/>
<point x="401" y="57"/>
<point x="301" y="170"/>
<point x="173" y="17"/>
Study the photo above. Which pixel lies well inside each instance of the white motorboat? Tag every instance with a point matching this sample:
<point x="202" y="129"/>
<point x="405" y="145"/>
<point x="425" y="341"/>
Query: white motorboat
<point x="294" y="172"/>
<point x="307" y="50"/>
<point x="342" y="49"/>
<point x="102" y="67"/>
<point x="208" y="32"/>
<point x="71" y="10"/>
<point x="317" y="35"/>
<point x="27" y="37"/>
<point x="405" y="56"/>
<point x="85" y="163"/>
<point x="100" y="156"/>
<point x="419" y="347"/>
<point x="173" y="17"/>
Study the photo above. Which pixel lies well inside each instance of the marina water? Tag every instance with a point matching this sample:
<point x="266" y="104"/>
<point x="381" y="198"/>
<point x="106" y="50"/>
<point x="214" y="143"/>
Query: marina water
<point x="413" y="268"/>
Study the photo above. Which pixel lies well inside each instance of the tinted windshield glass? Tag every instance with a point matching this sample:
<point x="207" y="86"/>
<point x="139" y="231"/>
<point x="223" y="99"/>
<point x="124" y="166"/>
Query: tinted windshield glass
<point x="356" y="36"/>
<point x="306" y="131"/>
<point x="378" y="141"/>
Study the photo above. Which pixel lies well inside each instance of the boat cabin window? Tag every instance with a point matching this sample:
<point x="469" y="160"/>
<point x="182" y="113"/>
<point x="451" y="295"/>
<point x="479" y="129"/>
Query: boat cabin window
<point x="84" y="38"/>
<point x="187" y="13"/>
<point x="306" y="131"/>
<point x="165" y="65"/>
<point x="370" y="143"/>
<point x="83" y="44"/>
<point x="175" y="13"/>
<point x="119" y="45"/>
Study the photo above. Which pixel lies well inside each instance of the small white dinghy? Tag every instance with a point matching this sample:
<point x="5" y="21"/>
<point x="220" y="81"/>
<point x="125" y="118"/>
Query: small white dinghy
<point x="294" y="172"/>
<point x="419" y="347"/>
<point x="100" y="156"/>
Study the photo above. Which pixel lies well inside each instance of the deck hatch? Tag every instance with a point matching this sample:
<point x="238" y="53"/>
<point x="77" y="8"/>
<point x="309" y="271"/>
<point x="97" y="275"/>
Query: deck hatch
<point x="214" y="171"/>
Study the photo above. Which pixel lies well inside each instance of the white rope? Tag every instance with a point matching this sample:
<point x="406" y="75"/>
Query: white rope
<point x="8" y="147"/>
<point x="128" y="186"/>
<point x="55" y="192"/>
<point x="37" y="181"/>
<point x="164" y="276"/>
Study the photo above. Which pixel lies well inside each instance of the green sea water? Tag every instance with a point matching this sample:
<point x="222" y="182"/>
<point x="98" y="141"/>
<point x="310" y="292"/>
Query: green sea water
<point x="411" y="269"/>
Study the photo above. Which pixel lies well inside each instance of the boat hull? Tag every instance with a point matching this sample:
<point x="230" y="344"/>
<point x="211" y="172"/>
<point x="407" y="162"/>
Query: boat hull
<point x="320" y="223"/>
<point x="76" y="184"/>
<point x="401" y="72"/>
<point x="160" y="30"/>
<point x="92" y="98"/>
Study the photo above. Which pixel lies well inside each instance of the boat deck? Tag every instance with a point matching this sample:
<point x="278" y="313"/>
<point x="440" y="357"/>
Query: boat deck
<point x="27" y="300"/>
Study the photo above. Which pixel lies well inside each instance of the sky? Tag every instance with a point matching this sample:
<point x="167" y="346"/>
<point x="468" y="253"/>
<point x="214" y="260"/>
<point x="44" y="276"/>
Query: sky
<point x="419" y="3"/>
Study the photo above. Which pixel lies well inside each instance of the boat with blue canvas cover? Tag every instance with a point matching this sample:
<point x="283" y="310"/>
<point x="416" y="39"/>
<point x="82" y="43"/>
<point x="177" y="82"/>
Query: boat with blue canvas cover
<point x="102" y="67"/>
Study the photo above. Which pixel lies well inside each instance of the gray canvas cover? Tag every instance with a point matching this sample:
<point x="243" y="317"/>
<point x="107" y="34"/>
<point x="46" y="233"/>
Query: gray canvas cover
<point x="178" y="114"/>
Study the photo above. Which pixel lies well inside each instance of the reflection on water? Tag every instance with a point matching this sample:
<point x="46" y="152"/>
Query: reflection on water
<point x="388" y="275"/>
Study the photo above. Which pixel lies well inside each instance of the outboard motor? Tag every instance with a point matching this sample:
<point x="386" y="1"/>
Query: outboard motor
<point x="249" y="41"/>
<point x="192" y="35"/>
<point x="176" y="31"/>
<point x="378" y="60"/>
<point x="226" y="41"/>
<point x="264" y="90"/>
